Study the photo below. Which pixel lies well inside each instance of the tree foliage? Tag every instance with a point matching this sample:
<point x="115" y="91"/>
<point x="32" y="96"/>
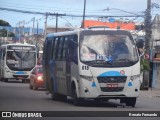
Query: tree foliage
<point x="4" y="23"/>
<point x="5" y="33"/>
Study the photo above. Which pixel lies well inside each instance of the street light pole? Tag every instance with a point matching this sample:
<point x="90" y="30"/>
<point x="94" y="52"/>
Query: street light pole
<point x="33" y="28"/>
<point x="37" y="32"/>
<point x="148" y="56"/>
<point x="57" y="22"/>
<point x="45" y="27"/>
<point x="84" y="11"/>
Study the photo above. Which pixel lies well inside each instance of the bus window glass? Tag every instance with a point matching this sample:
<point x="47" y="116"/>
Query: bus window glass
<point x="64" y="48"/>
<point x="60" y="48"/>
<point x="17" y="60"/>
<point x="56" y="47"/>
<point x="108" y="47"/>
<point x="73" y="48"/>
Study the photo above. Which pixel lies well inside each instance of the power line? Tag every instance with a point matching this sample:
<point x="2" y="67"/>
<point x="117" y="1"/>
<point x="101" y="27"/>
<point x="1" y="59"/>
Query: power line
<point x="70" y="15"/>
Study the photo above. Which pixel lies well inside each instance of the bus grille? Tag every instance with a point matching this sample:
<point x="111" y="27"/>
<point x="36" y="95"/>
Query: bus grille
<point x="112" y="79"/>
<point x="117" y="89"/>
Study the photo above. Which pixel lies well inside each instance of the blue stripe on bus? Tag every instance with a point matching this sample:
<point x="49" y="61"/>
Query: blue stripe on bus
<point x="20" y="72"/>
<point x="110" y="73"/>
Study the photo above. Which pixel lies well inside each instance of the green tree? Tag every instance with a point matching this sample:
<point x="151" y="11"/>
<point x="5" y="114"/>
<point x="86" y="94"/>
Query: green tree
<point x="4" y="23"/>
<point x="5" y="33"/>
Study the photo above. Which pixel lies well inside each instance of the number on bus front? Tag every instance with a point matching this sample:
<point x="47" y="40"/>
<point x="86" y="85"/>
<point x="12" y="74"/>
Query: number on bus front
<point x="85" y="67"/>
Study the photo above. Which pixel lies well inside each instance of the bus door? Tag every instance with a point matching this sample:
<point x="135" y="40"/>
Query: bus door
<point x="66" y="52"/>
<point x="71" y="58"/>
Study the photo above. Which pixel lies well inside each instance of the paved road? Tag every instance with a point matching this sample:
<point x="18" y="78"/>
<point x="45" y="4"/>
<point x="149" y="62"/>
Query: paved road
<point x="16" y="96"/>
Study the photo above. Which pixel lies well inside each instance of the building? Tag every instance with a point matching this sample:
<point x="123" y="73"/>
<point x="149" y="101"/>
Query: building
<point x="155" y="46"/>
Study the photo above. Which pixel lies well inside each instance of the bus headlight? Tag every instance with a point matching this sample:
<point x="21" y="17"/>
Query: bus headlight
<point x="134" y="77"/>
<point x="89" y="78"/>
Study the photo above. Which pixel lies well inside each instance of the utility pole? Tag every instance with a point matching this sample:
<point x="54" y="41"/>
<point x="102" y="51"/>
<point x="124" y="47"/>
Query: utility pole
<point x="84" y="12"/>
<point x="56" y="22"/>
<point x="37" y="32"/>
<point x="19" y="31"/>
<point x="146" y="74"/>
<point x="45" y="31"/>
<point x="23" y="30"/>
<point x="57" y="15"/>
<point x="33" y="28"/>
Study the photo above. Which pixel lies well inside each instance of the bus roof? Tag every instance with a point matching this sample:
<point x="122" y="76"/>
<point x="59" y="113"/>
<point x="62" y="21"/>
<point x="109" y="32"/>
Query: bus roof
<point x="76" y="31"/>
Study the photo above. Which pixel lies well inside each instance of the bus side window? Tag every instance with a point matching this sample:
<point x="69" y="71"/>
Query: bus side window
<point x="48" y="49"/>
<point x="52" y="48"/>
<point x="44" y="49"/>
<point x="56" y="47"/>
<point x="60" y="48"/>
<point x="64" y="52"/>
<point x="73" y="46"/>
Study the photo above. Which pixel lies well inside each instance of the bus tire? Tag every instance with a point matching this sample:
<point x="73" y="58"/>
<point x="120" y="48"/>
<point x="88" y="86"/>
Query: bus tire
<point x="131" y="101"/>
<point x="76" y="101"/>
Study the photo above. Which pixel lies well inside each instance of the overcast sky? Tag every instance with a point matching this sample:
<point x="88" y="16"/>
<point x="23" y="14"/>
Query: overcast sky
<point x="75" y="7"/>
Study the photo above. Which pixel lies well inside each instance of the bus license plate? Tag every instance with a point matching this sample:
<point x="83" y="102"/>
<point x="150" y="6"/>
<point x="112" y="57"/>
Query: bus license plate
<point x="112" y="85"/>
<point x="20" y="77"/>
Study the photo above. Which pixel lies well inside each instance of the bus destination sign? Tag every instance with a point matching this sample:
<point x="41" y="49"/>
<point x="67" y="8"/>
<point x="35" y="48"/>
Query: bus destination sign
<point x="21" y="48"/>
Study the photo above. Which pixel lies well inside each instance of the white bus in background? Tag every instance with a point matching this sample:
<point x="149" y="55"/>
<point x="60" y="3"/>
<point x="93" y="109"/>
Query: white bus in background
<point x="17" y="61"/>
<point x="92" y="64"/>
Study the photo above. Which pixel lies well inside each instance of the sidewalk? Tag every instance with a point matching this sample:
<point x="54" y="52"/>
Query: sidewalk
<point x="151" y="92"/>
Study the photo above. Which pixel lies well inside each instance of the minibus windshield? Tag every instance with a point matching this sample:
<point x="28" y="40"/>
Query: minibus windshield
<point x="101" y="48"/>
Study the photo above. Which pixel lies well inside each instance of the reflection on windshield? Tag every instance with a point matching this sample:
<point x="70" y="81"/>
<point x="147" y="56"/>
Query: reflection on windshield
<point x="107" y="48"/>
<point x="17" y="60"/>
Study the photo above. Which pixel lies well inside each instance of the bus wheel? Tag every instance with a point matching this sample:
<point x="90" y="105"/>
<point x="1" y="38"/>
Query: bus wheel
<point x="76" y="101"/>
<point x="131" y="101"/>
